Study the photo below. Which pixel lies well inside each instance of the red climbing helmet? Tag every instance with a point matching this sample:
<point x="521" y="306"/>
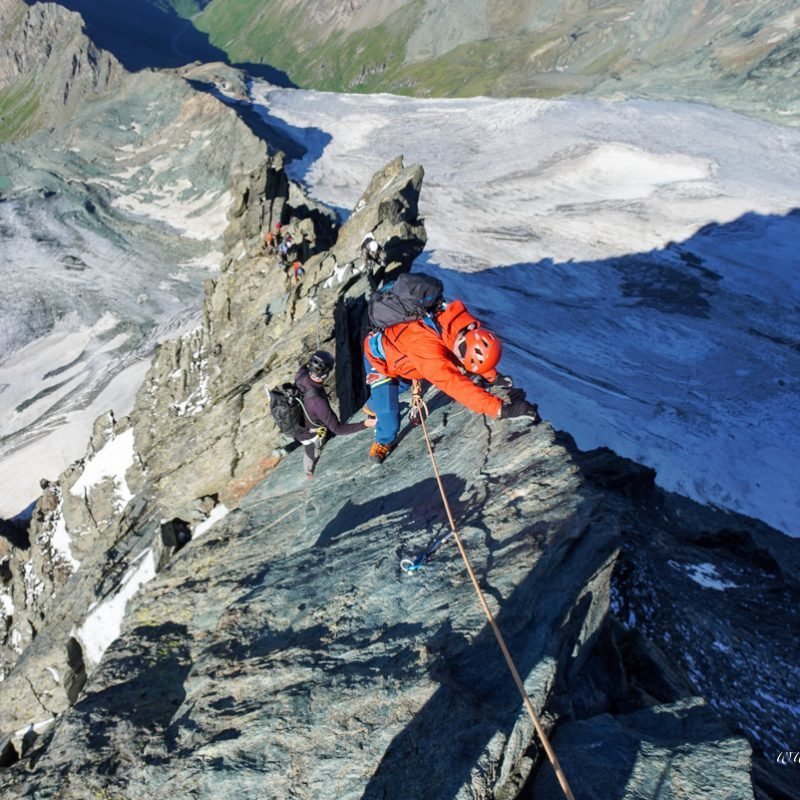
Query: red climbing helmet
<point x="479" y="350"/>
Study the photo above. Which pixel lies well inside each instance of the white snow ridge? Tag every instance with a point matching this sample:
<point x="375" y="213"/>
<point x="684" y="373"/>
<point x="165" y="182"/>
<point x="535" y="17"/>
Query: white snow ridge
<point x="110" y="463"/>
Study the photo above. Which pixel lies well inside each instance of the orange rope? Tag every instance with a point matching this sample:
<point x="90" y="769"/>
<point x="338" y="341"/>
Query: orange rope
<point x="562" y="779"/>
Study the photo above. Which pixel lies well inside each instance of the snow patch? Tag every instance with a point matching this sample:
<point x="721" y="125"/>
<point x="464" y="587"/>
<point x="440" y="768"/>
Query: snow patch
<point x="217" y="513"/>
<point x="104" y="623"/>
<point x="34" y="727"/>
<point x="201" y="218"/>
<point x="60" y="541"/>
<point x="705" y="575"/>
<point x="6" y="606"/>
<point x="111" y="462"/>
<point x="610" y="172"/>
<point x="199" y="397"/>
<point x="59" y="446"/>
<point x="32" y="582"/>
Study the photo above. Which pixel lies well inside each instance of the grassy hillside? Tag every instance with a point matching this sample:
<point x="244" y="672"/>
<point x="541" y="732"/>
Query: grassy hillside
<point x="733" y="54"/>
<point x="253" y="31"/>
<point x="20" y="96"/>
<point x="19" y="109"/>
<point x="531" y="62"/>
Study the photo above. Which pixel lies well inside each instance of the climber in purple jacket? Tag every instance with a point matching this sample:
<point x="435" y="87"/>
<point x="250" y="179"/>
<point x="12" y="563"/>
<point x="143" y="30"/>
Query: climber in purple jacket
<point x="323" y="419"/>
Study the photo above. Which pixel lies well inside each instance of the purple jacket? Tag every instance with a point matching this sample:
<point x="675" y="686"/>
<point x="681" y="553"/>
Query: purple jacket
<point x="318" y="407"/>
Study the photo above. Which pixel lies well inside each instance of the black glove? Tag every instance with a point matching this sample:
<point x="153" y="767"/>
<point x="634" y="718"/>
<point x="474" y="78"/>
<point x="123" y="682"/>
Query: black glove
<point x="503" y="381"/>
<point x="521" y="408"/>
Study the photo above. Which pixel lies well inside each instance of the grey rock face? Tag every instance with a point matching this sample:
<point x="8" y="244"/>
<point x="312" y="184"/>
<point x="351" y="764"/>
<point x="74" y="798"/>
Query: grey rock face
<point x="286" y="655"/>
<point x="42" y="82"/>
<point x="733" y="592"/>
<point x="677" y="751"/>
<point x="717" y="593"/>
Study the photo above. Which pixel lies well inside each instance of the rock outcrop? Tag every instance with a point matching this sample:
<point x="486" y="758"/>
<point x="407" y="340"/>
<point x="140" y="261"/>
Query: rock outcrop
<point x="205" y="391"/>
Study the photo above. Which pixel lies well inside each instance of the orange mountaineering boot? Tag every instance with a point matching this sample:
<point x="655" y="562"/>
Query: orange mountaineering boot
<point x="378" y="452"/>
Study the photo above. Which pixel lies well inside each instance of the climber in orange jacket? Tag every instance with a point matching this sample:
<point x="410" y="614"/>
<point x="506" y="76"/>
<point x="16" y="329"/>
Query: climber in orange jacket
<point x="441" y="349"/>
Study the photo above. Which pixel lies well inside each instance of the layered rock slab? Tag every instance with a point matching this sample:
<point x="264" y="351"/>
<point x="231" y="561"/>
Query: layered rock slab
<point x="677" y="751"/>
<point x="286" y="654"/>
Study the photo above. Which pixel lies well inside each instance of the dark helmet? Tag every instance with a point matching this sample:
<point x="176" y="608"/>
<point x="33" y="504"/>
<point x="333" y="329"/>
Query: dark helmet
<point x="320" y="364"/>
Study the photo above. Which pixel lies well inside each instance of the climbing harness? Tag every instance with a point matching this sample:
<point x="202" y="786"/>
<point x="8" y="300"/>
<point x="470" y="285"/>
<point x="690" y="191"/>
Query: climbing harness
<point x="419" y="403"/>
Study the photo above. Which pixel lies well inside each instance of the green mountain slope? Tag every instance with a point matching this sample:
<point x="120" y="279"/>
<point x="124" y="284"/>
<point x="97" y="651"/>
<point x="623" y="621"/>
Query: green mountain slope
<point x="741" y="55"/>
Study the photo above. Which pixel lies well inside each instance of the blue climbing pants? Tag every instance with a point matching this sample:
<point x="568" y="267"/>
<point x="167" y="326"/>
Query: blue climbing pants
<point x="384" y="402"/>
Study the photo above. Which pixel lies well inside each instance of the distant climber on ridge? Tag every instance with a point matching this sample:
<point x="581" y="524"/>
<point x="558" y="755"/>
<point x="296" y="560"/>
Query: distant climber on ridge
<point x="272" y="239"/>
<point x="372" y="251"/>
<point x="320" y="417"/>
<point x="297" y="272"/>
<point x="417" y="336"/>
<point x="375" y="259"/>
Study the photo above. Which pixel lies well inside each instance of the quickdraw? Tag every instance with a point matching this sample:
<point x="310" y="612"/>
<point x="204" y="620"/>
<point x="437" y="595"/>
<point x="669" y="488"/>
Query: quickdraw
<point x="410" y="565"/>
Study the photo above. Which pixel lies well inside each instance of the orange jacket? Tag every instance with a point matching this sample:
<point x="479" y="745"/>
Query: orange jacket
<point x="414" y="351"/>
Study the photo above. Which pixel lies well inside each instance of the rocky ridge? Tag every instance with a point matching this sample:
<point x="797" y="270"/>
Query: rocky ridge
<point x="107" y="231"/>
<point x="193" y="387"/>
<point x="271" y="646"/>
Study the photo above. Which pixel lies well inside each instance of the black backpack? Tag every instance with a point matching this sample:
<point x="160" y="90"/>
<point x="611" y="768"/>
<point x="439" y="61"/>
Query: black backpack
<point x="288" y="411"/>
<point x="410" y="297"/>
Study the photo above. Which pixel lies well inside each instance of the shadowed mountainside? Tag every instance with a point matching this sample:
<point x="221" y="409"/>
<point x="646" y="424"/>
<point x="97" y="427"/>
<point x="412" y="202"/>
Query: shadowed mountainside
<point x="156" y="34"/>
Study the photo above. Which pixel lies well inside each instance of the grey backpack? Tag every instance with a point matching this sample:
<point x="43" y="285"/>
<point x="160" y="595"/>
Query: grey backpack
<point x="412" y="296"/>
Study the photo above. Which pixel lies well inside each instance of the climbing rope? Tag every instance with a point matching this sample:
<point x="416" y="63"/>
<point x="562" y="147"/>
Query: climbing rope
<point x="419" y="404"/>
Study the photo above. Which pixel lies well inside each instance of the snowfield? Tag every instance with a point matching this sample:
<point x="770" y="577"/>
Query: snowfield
<point x="637" y="258"/>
